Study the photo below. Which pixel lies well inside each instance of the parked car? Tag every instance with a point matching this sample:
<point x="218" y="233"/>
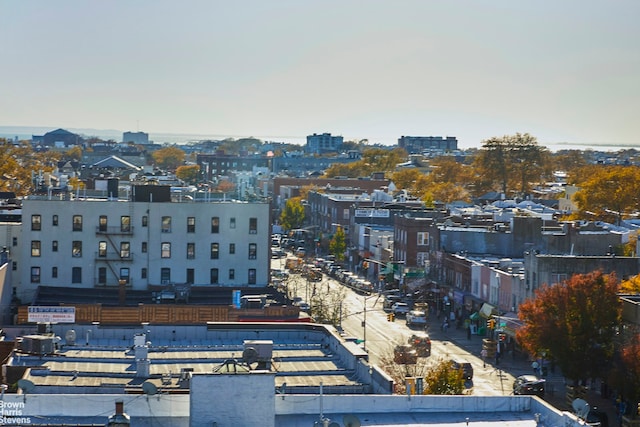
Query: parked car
<point x="400" y="308"/>
<point x="416" y="318"/>
<point x="467" y="369"/>
<point x="405" y="355"/>
<point x="529" y="384"/>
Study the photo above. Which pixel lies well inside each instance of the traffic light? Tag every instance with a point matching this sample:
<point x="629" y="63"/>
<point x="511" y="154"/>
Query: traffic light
<point x="390" y="317"/>
<point x="502" y="337"/>
<point x="491" y="323"/>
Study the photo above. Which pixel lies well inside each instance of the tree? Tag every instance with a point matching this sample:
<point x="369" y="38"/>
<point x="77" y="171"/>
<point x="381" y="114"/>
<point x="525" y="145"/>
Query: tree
<point x="292" y="216"/>
<point x="574" y="322"/>
<point x="513" y="162"/>
<point x="188" y="174"/>
<point x="338" y="244"/>
<point x="610" y="193"/>
<point x="169" y="158"/>
<point x="444" y="379"/>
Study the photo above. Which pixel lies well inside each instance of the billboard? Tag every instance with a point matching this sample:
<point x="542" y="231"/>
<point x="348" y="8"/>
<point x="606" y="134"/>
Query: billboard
<point x="53" y="314"/>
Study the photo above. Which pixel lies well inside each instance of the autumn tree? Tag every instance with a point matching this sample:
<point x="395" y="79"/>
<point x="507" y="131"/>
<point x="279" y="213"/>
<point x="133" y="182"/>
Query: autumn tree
<point x="629" y="383"/>
<point x="74" y="153"/>
<point x="188" y="174"/>
<point x="609" y="193"/>
<point x="225" y="186"/>
<point x="513" y="162"/>
<point x="406" y="178"/>
<point x="444" y="379"/>
<point x="292" y="216"/>
<point x="19" y="162"/>
<point x="574" y="322"/>
<point x="338" y="244"/>
<point x="169" y="158"/>
<point x="373" y="160"/>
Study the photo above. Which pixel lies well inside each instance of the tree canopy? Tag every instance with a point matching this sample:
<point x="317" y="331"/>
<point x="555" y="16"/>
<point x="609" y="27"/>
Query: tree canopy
<point x="188" y="174"/>
<point x="169" y="158"/>
<point x="292" y="216"/>
<point x="338" y="244"/>
<point x="574" y="322"/>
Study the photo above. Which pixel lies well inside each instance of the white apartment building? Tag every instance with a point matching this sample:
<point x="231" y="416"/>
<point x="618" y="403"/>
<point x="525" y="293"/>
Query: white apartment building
<point x="87" y="243"/>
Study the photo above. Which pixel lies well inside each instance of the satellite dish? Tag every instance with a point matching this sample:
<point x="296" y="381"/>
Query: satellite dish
<point x="351" y="420"/>
<point x="250" y="355"/>
<point x="70" y="337"/>
<point x="26" y="386"/>
<point x="149" y="388"/>
<point x="581" y="408"/>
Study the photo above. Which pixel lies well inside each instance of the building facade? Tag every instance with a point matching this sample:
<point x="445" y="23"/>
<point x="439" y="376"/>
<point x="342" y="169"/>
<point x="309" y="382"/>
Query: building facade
<point x="101" y="243"/>
<point x="323" y="143"/>
<point x="418" y="144"/>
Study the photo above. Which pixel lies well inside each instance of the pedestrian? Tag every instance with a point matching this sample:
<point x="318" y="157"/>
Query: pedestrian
<point x="536" y="366"/>
<point x="483" y="354"/>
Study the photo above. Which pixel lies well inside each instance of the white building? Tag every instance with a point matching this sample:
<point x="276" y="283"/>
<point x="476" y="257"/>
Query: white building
<point x="85" y="243"/>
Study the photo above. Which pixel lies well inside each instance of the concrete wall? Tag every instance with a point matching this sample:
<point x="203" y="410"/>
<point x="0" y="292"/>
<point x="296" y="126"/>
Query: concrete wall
<point x="232" y="400"/>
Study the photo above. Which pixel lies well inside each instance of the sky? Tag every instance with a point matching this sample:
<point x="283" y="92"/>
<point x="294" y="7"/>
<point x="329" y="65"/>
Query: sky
<point x="563" y="71"/>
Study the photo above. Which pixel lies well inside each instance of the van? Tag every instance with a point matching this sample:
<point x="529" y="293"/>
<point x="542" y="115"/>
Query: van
<point x="467" y="369"/>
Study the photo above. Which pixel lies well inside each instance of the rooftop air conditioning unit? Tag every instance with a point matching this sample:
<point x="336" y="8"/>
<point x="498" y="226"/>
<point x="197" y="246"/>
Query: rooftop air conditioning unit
<point x="264" y="349"/>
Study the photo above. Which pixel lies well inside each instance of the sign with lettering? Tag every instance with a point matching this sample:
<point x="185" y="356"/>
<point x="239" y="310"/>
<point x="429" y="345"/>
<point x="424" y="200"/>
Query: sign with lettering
<point x="51" y="314"/>
<point x="372" y="213"/>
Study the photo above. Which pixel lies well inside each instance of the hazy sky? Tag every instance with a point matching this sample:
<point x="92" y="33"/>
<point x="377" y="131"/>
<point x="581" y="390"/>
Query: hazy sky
<point x="560" y="70"/>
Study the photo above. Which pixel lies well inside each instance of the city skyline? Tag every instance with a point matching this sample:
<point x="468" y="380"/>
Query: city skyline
<point x="375" y="70"/>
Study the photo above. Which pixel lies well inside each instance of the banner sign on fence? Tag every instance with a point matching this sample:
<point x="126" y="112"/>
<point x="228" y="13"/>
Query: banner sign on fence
<point x="53" y="314"/>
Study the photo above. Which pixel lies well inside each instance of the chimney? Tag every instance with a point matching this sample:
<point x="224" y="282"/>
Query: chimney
<point x="120" y="418"/>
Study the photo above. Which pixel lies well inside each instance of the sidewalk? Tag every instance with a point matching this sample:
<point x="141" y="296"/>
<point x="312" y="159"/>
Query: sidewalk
<point x="520" y="365"/>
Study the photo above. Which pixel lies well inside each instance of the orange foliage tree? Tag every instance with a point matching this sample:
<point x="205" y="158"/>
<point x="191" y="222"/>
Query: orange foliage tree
<point x="574" y="322"/>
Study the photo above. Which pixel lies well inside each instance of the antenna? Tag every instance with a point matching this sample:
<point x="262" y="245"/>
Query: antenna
<point x="149" y="389"/>
<point x="581" y="408"/>
<point x="351" y="420"/>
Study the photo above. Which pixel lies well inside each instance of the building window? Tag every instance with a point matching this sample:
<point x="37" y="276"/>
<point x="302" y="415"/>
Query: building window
<point x="124" y="274"/>
<point x="423" y="238"/>
<point x="54" y="246"/>
<point x="102" y="275"/>
<point x="102" y="223"/>
<point x="76" y="275"/>
<point x="77" y="223"/>
<point x="215" y="224"/>
<point x="54" y="272"/>
<point x="143" y="273"/>
<point x="191" y="224"/>
<point x="145" y="221"/>
<point x="232" y="248"/>
<point x="54" y="220"/>
<point x="35" y="248"/>
<point x="232" y="223"/>
<point x="76" y="248"/>
<point x="35" y="274"/>
<point x="253" y="250"/>
<point x="165" y="251"/>
<point x="125" y="224"/>
<point x="14" y="266"/>
<point x="166" y="224"/>
<point x="190" y="275"/>
<point x="214" y="276"/>
<point x="102" y="249"/>
<point x="143" y="248"/>
<point x="165" y="275"/>
<point x="125" y="250"/>
<point x="252" y="276"/>
<point x="191" y="250"/>
<point x="14" y="241"/>
<point x="36" y="223"/>
<point x="253" y="225"/>
<point x="215" y="250"/>
<point x="232" y="274"/>
<point x="345" y="214"/>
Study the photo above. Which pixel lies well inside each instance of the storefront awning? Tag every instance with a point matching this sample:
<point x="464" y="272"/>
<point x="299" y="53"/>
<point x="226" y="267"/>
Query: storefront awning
<point x="487" y="310"/>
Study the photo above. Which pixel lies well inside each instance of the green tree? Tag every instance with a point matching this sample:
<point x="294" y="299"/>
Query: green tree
<point x="574" y="322"/>
<point x="188" y="174"/>
<point x="338" y="244"/>
<point x="513" y="162"/>
<point x="609" y="193"/>
<point x="169" y="158"/>
<point x="292" y="216"/>
<point x="444" y="379"/>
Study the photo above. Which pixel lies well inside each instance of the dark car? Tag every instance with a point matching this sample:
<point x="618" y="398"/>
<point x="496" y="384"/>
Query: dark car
<point x="529" y="384"/>
<point x="467" y="369"/>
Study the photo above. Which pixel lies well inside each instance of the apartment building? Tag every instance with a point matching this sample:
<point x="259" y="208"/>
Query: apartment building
<point x="91" y="242"/>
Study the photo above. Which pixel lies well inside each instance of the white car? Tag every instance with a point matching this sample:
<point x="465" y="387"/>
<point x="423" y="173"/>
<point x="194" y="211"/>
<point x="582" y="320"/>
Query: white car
<point x="400" y="308"/>
<point x="416" y="318"/>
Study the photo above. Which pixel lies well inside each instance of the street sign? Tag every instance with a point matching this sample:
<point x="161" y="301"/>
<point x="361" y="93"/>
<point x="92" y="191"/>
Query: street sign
<point x="51" y="314"/>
